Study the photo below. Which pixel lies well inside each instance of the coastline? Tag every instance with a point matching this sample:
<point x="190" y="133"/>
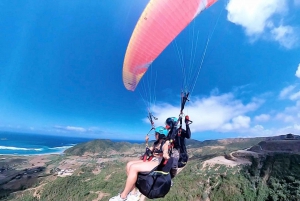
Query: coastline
<point x="41" y="151"/>
<point x="28" y="144"/>
<point x="43" y="154"/>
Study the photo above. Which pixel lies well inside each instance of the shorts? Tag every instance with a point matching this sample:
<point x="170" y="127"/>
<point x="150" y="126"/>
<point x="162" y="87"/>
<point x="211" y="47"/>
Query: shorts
<point x="159" y="159"/>
<point x="175" y="155"/>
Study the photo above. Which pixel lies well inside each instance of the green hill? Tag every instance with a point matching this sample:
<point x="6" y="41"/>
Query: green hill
<point x="101" y="147"/>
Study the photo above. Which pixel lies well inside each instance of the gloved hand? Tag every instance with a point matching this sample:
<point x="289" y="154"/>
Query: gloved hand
<point x="187" y="119"/>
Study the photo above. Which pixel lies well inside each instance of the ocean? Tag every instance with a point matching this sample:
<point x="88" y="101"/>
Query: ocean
<point x="37" y="144"/>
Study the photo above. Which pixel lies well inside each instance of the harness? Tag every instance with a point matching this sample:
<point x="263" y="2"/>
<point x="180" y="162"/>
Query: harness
<point x="157" y="182"/>
<point x="148" y="155"/>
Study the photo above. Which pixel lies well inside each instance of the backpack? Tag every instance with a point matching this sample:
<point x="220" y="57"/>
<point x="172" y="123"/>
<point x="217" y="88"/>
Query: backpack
<point x="157" y="182"/>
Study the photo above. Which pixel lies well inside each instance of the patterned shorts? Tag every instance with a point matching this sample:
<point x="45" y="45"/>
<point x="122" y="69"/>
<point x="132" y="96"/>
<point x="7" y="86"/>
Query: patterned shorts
<point x="175" y="155"/>
<point x="159" y="159"/>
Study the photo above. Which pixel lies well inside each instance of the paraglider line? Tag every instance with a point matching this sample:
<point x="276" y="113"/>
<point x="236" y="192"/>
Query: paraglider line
<point x="204" y="53"/>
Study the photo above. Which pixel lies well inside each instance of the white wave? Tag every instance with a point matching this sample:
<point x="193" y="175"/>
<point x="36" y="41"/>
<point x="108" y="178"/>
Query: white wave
<point x="62" y="147"/>
<point x="21" y="148"/>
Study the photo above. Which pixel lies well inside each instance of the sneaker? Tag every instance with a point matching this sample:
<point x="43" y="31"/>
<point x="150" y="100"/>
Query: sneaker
<point x="134" y="197"/>
<point x="117" y="198"/>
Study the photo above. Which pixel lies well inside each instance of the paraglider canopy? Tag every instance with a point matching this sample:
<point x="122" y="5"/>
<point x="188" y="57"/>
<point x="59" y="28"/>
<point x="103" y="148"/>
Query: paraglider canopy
<point x="160" y="22"/>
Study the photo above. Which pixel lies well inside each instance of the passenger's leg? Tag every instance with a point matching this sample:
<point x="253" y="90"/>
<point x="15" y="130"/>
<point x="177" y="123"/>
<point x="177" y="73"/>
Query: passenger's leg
<point x="131" y="163"/>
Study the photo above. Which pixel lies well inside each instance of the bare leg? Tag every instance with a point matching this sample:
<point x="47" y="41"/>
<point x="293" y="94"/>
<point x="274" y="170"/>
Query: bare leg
<point x="131" y="163"/>
<point x="133" y="172"/>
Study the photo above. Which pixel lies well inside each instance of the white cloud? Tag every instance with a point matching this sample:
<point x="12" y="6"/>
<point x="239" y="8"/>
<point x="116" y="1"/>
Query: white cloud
<point x="218" y="112"/>
<point x="239" y="122"/>
<point x="285" y="117"/>
<point x="70" y="128"/>
<point x="295" y="129"/>
<point x="298" y="71"/>
<point x="292" y="110"/>
<point x="260" y="131"/>
<point x="262" y="118"/>
<point x="285" y="35"/>
<point x="253" y="15"/>
<point x="290" y="93"/>
<point x="297" y="126"/>
<point x="259" y="127"/>
<point x="73" y="128"/>
<point x="295" y="96"/>
<point x="225" y="113"/>
<point x="260" y="19"/>
<point x="286" y="91"/>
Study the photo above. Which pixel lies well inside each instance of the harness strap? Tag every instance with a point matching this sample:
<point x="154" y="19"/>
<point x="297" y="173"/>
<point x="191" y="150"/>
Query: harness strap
<point x="158" y="152"/>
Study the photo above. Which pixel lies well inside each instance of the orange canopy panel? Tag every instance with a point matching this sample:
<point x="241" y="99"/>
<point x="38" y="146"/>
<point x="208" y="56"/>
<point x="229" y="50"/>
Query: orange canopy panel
<point x="160" y="22"/>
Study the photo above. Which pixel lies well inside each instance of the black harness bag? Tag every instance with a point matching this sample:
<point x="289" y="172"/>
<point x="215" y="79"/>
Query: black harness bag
<point x="157" y="182"/>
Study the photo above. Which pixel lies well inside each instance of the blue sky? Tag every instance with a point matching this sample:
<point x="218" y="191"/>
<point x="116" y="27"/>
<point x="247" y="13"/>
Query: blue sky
<point x="61" y="70"/>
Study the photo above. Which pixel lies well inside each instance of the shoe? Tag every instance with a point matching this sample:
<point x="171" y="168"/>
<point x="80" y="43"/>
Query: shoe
<point x="117" y="198"/>
<point x="172" y="183"/>
<point x="134" y="197"/>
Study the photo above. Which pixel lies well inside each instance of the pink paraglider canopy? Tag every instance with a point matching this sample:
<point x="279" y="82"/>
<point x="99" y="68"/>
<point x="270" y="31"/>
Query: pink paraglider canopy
<point x="160" y="22"/>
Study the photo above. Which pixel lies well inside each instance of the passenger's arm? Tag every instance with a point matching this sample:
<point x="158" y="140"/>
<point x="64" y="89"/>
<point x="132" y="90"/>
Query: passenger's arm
<point x="152" y="148"/>
<point x="188" y="132"/>
<point x="165" y="150"/>
<point x="187" y="127"/>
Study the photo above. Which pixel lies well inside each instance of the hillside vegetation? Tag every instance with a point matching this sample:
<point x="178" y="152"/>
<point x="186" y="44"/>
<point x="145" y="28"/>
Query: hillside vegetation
<point x="102" y="147"/>
<point x="270" y="176"/>
<point x="107" y="146"/>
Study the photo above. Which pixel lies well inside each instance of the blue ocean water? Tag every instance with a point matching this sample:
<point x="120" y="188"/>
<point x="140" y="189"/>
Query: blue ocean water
<point x="37" y="144"/>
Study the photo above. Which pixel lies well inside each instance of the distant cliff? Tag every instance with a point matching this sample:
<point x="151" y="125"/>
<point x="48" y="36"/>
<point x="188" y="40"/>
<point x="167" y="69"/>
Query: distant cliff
<point x="283" y="143"/>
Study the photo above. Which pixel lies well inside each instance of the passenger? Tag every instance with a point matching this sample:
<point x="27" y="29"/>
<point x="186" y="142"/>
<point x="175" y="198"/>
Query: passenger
<point x="159" y="152"/>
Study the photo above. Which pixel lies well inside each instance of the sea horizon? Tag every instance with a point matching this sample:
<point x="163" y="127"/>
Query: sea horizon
<point x="13" y="143"/>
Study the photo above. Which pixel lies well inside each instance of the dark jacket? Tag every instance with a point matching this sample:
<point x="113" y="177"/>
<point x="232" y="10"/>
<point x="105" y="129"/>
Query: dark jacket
<point x="179" y="143"/>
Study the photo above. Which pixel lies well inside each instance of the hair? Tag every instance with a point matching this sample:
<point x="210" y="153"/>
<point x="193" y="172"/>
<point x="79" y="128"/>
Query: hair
<point x="171" y="121"/>
<point x="161" y="137"/>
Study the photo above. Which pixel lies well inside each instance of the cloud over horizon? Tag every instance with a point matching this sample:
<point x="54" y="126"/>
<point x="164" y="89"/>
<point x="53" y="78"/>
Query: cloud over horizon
<point x="225" y="113"/>
<point x="71" y="128"/>
<point x="222" y="113"/>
